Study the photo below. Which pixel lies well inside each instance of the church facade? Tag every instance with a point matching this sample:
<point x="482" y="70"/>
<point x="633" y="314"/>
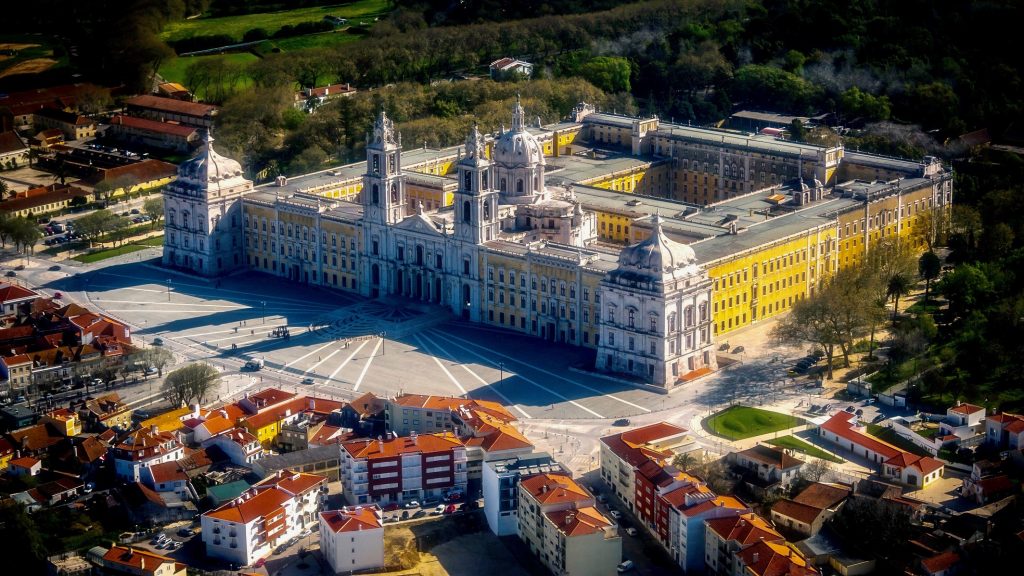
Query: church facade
<point x="508" y="251"/>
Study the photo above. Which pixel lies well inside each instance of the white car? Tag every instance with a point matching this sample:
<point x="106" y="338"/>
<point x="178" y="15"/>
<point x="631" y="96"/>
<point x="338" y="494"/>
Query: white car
<point x="438" y="511"/>
<point x="631" y="531"/>
<point x="412" y="504"/>
<point x="615" y="514"/>
<point x="624" y="566"/>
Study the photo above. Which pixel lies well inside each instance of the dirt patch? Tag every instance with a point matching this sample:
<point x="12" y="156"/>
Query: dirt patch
<point x="33" y="66"/>
<point x="400" y="551"/>
<point x="4" y="57"/>
<point x="15" y="46"/>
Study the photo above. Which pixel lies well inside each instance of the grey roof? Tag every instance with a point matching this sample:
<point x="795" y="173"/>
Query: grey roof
<point x="527" y="464"/>
<point x="287" y="460"/>
<point x="581" y="167"/>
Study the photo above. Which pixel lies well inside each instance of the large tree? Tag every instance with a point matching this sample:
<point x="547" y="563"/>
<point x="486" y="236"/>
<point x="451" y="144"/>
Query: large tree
<point x="929" y="265"/>
<point x="154" y="208"/>
<point x="832" y="318"/>
<point x="158" y="358"/>
<point x="191" y="383"/>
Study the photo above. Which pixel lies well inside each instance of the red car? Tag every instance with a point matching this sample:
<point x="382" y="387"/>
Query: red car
<point x="259" y="563"/>
<point x="391" y="507"/>
<point x="449" y="509"/>
<point x="453" y="497"/>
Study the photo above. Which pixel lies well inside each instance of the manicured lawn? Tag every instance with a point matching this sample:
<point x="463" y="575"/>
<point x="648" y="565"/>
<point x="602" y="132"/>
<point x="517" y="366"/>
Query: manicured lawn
<point x="739" y="422"/>
<point x="323" y="40"/>
<point x="152" y="241"/>
<point x="890" y="436"/>
<point x="108" y="253"/>
<point x="236" y="26"/>
<point x="794" y="443"/>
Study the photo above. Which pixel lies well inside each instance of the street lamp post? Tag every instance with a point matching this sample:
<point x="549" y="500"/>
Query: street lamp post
<point x="263" y="303"/>
<point x="168" y="289"/>
<point x="382" y="335"/>
<point x="501" y="368"/>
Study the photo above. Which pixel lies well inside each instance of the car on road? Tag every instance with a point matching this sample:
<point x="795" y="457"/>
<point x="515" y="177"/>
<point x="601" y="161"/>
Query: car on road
<point x="419" y="514"/>
<point x="391" y="508"/>
<point x="308" y="380"/>
<point x="449" y="509"/>
<point x="57" y="296"/>
<point x="135" y="211"/>
<point x="738" y="350"/>
<point x="19" y="267"/>
<point x="54" y="268"/>
<point x="405" y="514"/>
<point x="621" y="422"/>
<point x="631" y="531"/>
<point x="11" y="274"/>
<point x="615" y="514"/>
<point x="438" y="510"/>
<point x="411" y="504"/>
<point x="624" y="566"/>
<point x="184" y="533"/>
<point x="878" y="419"/>
<point x="151" y="370"/>
<point x="849" y="409"/>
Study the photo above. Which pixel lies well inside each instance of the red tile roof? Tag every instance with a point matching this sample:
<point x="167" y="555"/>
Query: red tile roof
<point x="579" y="521"/>
<point x="744" y="529"/>
<point x="11" y="142"/>
<point x="925" y="464"/>
<point x="800" y="512"/>
<point x="774" y="457"/>
<point x="167" y="472"/>
<point x="554" y="489"/>
<point x="147" y="125"/>
<point x="294" y="483"/>
<point x="171" y="105"/>
<point x="138" y="560"/>
<point x="251" y="505"/>
<point x="821" y="495"/>
<point x="774" y="559"/>
<point x="352" y="519"/>
<point x="652" y="433"/>
<point x="966" y="409"/>
<point x="391" y="447"/>
<point x="840" y="424"/>
<point x="25" y="462"/>
<point x="941" y="562"/>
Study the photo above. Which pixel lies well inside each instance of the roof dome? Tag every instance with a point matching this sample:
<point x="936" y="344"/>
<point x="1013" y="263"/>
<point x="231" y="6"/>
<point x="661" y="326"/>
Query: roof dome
<point x="657" y="255"/>
<point x="208" y="165"/>
<point x="517" y="147"/>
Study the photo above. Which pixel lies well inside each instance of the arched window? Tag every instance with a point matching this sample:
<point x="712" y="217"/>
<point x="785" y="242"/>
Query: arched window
<point x="487" y="210"/>
<point x="672" y="322"/>
<point x="466" y="216"/>
<point x="519" y="185"/>
<point x="468" y="180"/>
<point x="394" y="193"/>
<point x="504" y="185"/>
<point x="375" y="198"/>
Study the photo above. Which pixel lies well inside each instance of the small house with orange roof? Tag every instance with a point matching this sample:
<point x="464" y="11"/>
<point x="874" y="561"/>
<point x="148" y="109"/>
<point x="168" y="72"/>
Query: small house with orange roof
<point x="767" y="558"/>
<point x="105" y="412"/>
<point x="14" y="298"/>
<point x="557" y="514"/>
<point x="143" y="448"/>
<point x="352" y="539"/>
<point x="250" y="526"/>
<point x="131" y="561"/>
<point x="63" y="420"/>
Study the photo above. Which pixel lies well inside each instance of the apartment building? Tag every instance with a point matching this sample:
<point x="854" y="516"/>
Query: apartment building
<point x="560" y="524"/>
<point x="501" y="487"/>
<point x="144" y="448"/>
<point x="352" y="539"/>
<point x="250" y="526"/>
<point x="393" y="469"/>
<point x="624" y="453"/>
<point x="241" y="447"/>
<point x="725" y="537"/>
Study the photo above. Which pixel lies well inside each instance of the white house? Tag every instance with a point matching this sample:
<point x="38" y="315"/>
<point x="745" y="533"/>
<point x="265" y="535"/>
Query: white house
<point x="144" y="448"/>
<point x="241" y="447"/>
<point x="352" y="539"/>
<point x="271" y="512"/>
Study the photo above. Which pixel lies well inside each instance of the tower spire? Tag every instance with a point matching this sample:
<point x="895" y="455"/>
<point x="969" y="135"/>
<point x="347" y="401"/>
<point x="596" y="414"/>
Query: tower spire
<point x="518" y="116"/>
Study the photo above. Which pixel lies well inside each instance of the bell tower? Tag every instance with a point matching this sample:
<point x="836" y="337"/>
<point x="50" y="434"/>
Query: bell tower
<point x="476" y="201"/>
<point x="384" y="197"/>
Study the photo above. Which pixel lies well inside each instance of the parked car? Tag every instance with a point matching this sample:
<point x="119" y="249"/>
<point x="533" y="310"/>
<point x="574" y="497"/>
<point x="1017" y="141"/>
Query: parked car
<point x="308" y="380"/>
<point x="624" y="566"/>
<point x="391" y="507"/>
<point x="419" y="514"/>
<point x="615" y="514"/>
<point x="54" y="268"/>
<point x="158" y="341"/>
<point x="19" y="267"/>
<point x="151" y="370"/>
<point x="449" y="509"/>
<point x="438" y="510"/>
<point x="135" y="211"/>
<point x="11" y="274"/>
<point x="405" y="515"/>
<point x="412" y="504"/>
<point x="631" y="531"/>
<point x="621" y="422"/>
<point x="184" y="532"/>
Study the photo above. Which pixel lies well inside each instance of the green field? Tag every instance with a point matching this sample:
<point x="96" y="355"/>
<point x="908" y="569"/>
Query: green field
<point x="175" y="69"/>
<point x="323" y="40"/>
<point x="794" y="443"/>
<point x="108" y="253"/>
<point x="739" y="422"/>
<point x="24" y="57"/>
<point x="236" y="26"/>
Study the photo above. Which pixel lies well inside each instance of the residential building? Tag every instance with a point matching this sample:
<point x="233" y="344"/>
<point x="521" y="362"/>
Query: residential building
<point x="18" y="108"/>
<point x="173" y="90"/>
<point x="944" y="564"/>
<point x="767" y="466"/>
<point x="623" y="453"/>
<point x="169" y="477"/>
<point x="501" y="480"/>
<point x="785" y="215"/>
<point x="15" y="300"/>
<point x="74" y="126"/>
<point x="172" y="110"/>
<point x="172" y="420"/>
<point x="989" y="481"/>
<point x="322" y="460"/>
<point x="725" y="537"/>
<point x="352" y="539"/>
<point x="842" y="429"/>
<point x="268" y="514"/>
<point x="107" y="412"/>
<point x="13" y="150"/>
<point x="416" y="467"/>
<point x="559" y="522"/>
<point x="688" y="508"/>
<point x="41" y="200"/>
<point x="964" y="414"/>
<point x="806" y="513"/>
<point x="136" y="131"/>
<point x="773" y="559"/>
<point x="131" y="561"/>
<point x="309" y="99"/>
<point x="7" y="453"/>
<point x="1005" y="430"/>
<point x="241" y="447"/>
<point x="25" y="466"/>
<point x="63" y="420"/>
<point x="510" y="69"/>
<point x="269" y="423"/>
<point x="144" y="448"/>
<point x="16" y="371"/>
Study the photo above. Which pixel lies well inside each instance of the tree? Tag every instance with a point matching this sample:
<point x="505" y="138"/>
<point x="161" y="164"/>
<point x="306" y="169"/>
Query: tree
<point x="92" y="226"/>
<point x="966" y="288"/>
<point x="684" y="461"/>
<point x="103" y="191"/>
<point x="158" y="358"/>
<point x="191" y="383"/>
<point x="797" y="132"/>
<point x="899" y="285"/>
<point x="21" y="538"/>
<point x="4" y="189"/>
<point x="815" y="469"/>
<point x="154" y="208"/>
<point x="831" y="318"/>
<point x="609" y="73"/>
<point x="929" y="265"/>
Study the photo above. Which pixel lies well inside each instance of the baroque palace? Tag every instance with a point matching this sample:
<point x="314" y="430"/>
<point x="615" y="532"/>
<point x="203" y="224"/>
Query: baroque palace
<point x="637" y="238"/>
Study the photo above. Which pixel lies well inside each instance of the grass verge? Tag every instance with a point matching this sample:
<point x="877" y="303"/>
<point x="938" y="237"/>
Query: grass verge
<point x="889" y="435"/>
<point x="739" y="422"/>
<point x="794" y="443"/>
<point x="98" y="255"/>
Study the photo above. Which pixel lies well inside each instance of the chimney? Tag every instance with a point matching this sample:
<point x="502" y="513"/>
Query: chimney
<point x="154" y="429"/>
<point x="569" y="518"/>
<point x="756" y="556"/>
<point x="544" y="489"/>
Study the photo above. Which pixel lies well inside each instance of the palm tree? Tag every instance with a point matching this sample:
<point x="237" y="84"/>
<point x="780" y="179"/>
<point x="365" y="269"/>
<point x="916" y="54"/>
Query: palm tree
<point x="929" y="266"/>
<point x="899" y="285"/>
